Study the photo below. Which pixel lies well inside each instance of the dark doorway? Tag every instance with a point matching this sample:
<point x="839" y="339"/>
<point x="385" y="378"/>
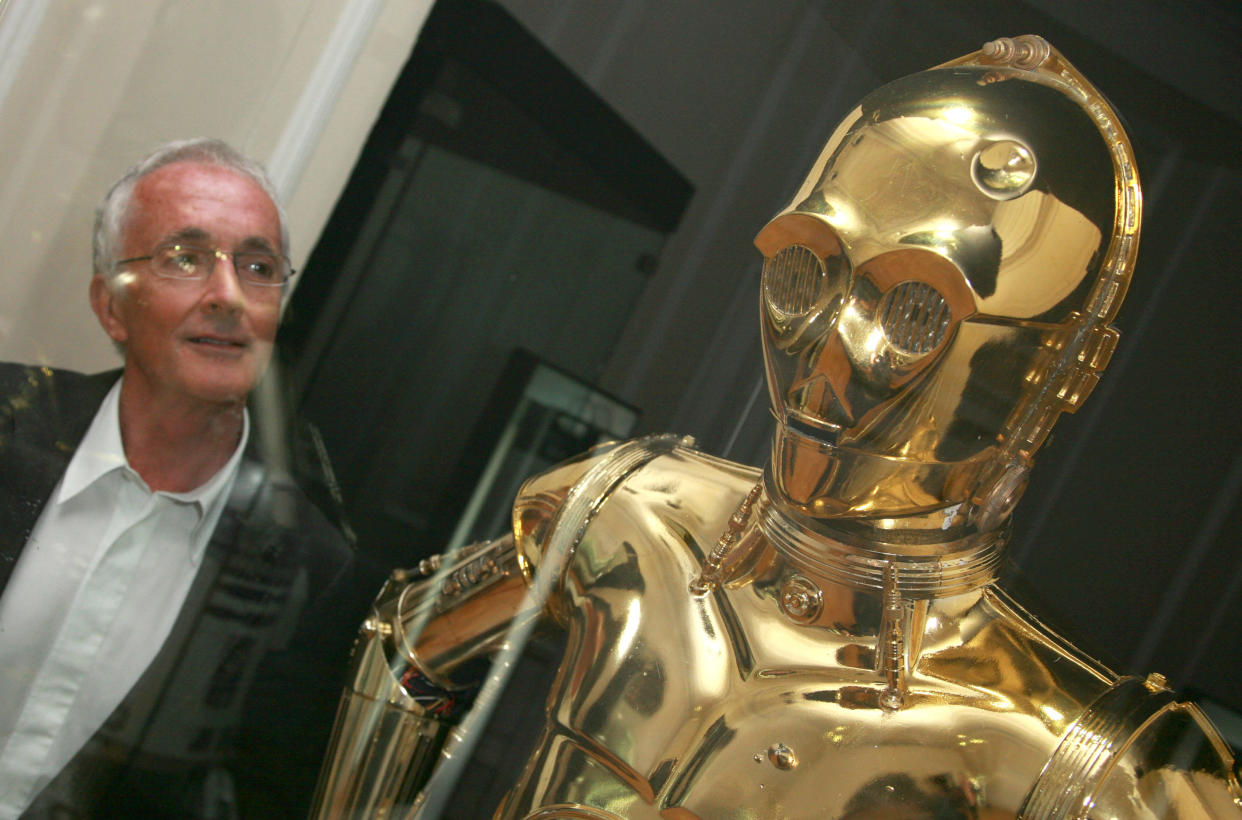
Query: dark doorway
<point x="498" y="205"/>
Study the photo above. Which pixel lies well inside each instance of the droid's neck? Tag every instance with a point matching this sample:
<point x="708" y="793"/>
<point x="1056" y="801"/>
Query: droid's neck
<point x="873" y="559"/>
<point x="854" y="585"/>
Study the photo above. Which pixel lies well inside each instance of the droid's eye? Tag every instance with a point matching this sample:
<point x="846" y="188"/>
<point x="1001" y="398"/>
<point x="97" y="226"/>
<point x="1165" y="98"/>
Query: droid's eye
<point x="797" y="282"/>
<point x="791" y="282"/>
<point x="915" y="317"/>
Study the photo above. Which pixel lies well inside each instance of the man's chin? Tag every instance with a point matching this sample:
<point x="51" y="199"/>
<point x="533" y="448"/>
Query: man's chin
<point x="227" y="388"/>
<point x="225" y="380"/>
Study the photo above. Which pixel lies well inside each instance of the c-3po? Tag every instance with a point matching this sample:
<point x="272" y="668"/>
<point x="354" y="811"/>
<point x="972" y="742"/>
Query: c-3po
<point x="825" y="638"/>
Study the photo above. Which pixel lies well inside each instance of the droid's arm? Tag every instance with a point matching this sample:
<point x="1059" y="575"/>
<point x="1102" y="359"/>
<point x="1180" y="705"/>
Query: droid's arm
<point x="412" y="675"/>
<point x="433" y="629"/>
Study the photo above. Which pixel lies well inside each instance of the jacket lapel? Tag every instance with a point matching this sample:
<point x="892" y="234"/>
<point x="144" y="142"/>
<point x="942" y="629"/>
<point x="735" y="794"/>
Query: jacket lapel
<point x="44" y="414"/>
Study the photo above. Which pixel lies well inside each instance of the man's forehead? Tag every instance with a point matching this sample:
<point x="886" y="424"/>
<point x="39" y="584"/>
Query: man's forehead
<point x="189" y="173"/>
<point x="191" y="200"/>
<point x="192" y="234"/>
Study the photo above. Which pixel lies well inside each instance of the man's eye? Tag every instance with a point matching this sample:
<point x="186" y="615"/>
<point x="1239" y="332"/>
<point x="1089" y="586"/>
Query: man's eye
<point x="261" y="268"/>
<point x="183" y="260"/>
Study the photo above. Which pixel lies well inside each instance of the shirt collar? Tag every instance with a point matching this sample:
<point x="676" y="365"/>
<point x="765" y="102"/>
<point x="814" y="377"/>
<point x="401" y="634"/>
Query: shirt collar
<point x="101" y="452"/>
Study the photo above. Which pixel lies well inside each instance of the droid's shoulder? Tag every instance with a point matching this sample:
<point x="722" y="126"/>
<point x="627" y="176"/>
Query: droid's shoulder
<point x="553" y="510"/>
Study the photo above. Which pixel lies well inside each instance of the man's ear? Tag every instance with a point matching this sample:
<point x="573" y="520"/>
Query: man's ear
<point x="105" y="296"/>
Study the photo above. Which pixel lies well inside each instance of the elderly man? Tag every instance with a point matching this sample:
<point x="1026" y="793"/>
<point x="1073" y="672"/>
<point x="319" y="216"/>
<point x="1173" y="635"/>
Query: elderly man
<point x="153" y="569"/>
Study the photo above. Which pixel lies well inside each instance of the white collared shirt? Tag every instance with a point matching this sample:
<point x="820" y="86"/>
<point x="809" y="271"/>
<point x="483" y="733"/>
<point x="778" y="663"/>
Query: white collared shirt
<point x="92" y="598"/>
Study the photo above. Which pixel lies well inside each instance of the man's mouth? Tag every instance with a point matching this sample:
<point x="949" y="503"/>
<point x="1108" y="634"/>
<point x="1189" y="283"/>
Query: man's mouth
<point x="216" y="341"/>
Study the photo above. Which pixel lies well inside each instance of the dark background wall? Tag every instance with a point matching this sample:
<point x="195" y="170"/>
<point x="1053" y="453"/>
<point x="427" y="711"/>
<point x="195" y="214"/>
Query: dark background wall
<point x="1129" y="529"/>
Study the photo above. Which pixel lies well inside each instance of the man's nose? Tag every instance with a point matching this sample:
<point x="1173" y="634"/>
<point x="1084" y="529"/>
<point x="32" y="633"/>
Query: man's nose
<point x="223" y="288"/>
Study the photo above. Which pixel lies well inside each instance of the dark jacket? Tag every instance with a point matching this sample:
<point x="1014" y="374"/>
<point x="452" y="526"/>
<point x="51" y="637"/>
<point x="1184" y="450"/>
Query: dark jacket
<point x="236" y="706"/>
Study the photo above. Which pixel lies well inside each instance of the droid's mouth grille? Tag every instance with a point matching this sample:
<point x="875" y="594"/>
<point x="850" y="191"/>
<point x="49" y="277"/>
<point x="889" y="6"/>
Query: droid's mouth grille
<point x="915" y="317"/>
<point x="792" y="280"/>
<point x="817" y="430"/>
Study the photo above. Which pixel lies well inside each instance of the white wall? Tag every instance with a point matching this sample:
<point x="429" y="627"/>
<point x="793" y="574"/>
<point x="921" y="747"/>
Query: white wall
<point x="89" y="86"/>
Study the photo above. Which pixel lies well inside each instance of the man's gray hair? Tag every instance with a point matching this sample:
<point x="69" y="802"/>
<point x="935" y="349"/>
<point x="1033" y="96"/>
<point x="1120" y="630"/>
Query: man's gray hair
<point x="113" y="212"/>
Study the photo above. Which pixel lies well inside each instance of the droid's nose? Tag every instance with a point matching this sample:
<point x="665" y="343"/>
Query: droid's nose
<point x="819" y="395"/>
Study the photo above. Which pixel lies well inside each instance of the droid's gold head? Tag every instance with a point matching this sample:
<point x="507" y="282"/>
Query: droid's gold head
<point x="939" y="291"/>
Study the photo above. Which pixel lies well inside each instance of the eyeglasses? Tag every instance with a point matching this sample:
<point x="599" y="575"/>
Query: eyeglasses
<point x="174" y="261"/>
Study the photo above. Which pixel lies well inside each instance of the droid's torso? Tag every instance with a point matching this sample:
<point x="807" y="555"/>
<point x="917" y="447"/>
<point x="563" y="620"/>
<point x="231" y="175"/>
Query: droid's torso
<point x="722" y="705"/>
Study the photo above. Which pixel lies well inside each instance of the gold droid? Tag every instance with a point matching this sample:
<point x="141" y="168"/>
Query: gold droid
<point x="825" y="639"/>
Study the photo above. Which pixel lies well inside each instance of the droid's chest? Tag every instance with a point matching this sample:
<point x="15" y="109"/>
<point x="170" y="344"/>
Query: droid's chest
<point x="703" y="736"/>
<point x="672" y="704"/>
<point x="806" y="752"/>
